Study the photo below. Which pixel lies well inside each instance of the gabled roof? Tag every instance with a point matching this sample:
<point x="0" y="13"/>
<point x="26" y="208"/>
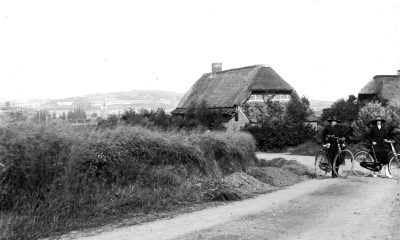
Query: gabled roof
<point x="234" y="86"/>
<point x="383" y="86"/>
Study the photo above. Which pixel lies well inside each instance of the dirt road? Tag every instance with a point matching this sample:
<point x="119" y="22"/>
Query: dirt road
<point x="353" y="208"/>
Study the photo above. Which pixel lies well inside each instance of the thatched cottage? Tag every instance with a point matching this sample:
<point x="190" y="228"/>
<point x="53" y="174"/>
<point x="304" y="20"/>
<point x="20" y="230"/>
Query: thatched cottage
<point x="381" y="87"/>
<point x="229" y="90"/>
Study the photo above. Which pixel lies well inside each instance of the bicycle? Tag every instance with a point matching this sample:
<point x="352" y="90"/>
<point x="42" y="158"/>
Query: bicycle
<point x="364" y="163"/>
<point x="369" y="162"/>
<point x="394" y="162"/>
<point x="343" y="161"/>
<point x="322" y="164"/>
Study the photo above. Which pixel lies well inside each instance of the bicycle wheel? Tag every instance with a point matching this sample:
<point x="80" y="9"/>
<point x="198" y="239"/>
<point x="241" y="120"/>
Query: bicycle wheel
<point x="343" y="163"/>
<point x="394" y="166"/>
<point x="322" y="165"/>
<point x="359" y="157"/>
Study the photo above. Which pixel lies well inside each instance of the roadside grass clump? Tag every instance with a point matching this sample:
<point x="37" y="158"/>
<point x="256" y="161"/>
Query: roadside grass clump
<point x="279" y="172"/>
<point x="274" y="176"/>
<point x="218" y="190"/>
<point x="60" y="178"/>
<point x="291" y="165"/>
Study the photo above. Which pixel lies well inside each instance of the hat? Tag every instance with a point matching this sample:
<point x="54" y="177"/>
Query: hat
<point x="334" y="118"/>
<point x="378" y="118"/>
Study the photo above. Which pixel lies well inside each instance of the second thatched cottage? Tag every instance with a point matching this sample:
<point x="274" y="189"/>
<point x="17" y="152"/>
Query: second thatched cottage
<point x="382" y="88"/>
<point x="229" y="90"/>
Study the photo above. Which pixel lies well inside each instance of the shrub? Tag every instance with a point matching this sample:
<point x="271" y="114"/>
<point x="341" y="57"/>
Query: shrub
<point x="201" y="115"/>
<point x="277" y="130"/>
<point x="390" y="112"/>
<point x="279" y="135"/>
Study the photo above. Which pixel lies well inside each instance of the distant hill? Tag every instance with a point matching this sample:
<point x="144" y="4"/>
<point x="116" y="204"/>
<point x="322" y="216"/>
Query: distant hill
<point x="114" y="102"/>
<point x="119" y="101"/>
<point x="319" y="105"/>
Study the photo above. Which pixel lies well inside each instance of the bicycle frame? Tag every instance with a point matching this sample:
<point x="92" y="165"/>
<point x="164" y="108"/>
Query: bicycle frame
<point x="343" y="162"/>
<point x="373" y="151"/>
<point x="392" y="147"/>
<point x="338" y="143"/>
<point x="390" y="142"/>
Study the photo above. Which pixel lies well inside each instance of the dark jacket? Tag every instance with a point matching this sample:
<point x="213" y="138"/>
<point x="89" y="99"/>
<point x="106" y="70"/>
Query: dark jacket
<point x="378" y="135"/>
<point x="331" y="130"/>
<point x="381" y="149"/>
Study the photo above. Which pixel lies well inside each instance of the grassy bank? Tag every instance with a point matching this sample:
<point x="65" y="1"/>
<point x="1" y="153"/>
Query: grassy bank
<point x="60" y="179"/>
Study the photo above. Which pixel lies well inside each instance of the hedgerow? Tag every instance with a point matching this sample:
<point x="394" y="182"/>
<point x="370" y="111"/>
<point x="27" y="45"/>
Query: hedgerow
<point x="59" y="177"/>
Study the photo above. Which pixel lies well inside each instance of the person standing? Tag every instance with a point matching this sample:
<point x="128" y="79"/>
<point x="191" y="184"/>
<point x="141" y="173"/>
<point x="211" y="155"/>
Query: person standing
<point x="330" y="131"/>
<point x="377" y="136"/>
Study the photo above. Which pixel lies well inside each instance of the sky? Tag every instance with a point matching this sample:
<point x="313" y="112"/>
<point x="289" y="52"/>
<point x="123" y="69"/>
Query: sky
<point x="325" y="49"/>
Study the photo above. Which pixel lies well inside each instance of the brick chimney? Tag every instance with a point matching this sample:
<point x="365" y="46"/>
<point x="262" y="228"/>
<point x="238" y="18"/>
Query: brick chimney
<point x="216" y="67"/>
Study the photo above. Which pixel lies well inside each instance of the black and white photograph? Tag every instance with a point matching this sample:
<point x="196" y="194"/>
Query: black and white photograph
<point x="200" y="120"/>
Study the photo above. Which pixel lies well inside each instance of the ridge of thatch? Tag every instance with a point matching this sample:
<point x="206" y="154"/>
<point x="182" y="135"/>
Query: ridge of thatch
<point x="383" y="86"/>
<point x="234" y="86"/>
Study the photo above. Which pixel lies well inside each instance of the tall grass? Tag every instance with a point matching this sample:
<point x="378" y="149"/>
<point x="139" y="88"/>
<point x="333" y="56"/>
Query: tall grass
<point x="311" y="148"/>
<point x="62" y="178"/>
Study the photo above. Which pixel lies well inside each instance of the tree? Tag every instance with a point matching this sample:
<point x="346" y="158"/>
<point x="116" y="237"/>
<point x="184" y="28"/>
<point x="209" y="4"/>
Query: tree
<point x="63" y="116"/>
<point x="346" y="110"/>
<point x="283" y="127"/>
<point x="110" y="122"/>
<point x="201" y="115"/>
<point x="297" y="109"/>
<point x="162" y="119"/>
<point x="7" y="105"/>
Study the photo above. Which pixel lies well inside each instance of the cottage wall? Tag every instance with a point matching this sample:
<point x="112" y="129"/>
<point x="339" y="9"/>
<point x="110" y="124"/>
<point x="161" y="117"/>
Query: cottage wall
<point x="273" y="97"/>
<point x="233" y="125"/>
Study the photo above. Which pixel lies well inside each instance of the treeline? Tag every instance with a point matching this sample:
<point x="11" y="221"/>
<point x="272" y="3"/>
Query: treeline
<point x="356" y="116"/>
<point x="197" y="117"/>
<point x="45" y="116"/>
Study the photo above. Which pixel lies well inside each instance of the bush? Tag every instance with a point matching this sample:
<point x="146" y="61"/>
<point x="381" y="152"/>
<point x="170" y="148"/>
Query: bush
<point x="201" y="115"/>
<point x="279" y="135"/>
<point x="390" y="112"/>
<point x="277" y="131"/>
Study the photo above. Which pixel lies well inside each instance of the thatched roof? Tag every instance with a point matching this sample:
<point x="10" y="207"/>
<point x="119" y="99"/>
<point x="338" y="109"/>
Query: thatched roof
<point x="234" y="86"/>
<point x="222" y="110"/>
<point x="382" y="86"/>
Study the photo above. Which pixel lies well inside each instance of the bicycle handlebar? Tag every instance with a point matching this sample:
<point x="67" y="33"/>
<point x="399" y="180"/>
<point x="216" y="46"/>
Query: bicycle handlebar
<point x="384" y="140"/>
<point x="334" y="137"/>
